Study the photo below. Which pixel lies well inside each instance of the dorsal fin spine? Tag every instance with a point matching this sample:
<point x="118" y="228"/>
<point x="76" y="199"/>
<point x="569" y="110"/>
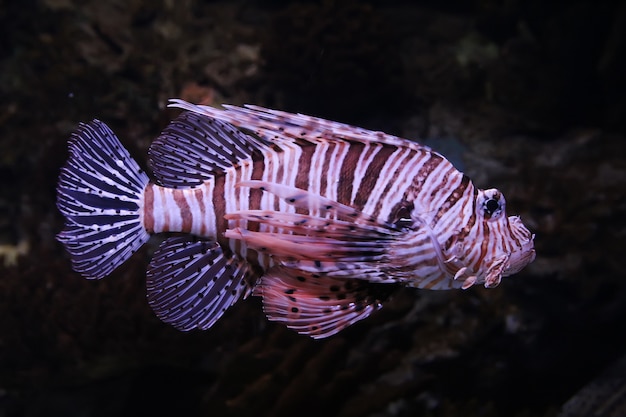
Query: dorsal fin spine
<point x="266" y="122"/>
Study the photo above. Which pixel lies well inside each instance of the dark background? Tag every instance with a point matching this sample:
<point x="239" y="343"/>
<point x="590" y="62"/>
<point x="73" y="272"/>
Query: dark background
<point x="525" y="96"/>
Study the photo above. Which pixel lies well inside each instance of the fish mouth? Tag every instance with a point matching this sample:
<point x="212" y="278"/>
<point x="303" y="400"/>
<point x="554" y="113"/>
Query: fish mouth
<point x="522" y="257"/>
<point x="525" y="252"/>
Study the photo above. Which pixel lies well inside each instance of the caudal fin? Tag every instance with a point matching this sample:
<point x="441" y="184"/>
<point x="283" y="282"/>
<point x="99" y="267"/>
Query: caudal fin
<point x="99" y="193"/>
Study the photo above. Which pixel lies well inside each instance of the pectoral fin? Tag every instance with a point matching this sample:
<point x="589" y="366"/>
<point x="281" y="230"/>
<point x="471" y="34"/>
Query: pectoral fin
<point x="314" y="305"/>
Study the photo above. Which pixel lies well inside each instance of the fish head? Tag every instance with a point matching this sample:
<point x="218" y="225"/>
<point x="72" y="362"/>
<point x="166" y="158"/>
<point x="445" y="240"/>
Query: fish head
<point x="507" y="243"/>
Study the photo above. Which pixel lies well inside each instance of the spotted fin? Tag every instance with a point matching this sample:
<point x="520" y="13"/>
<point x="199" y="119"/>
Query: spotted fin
<point x="316" y="306"/>
<point x="193" y="148"/>
<point x="191" y="283"/>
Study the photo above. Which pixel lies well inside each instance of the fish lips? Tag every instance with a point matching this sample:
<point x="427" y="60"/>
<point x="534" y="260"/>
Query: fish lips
<point x="522" y="257"/>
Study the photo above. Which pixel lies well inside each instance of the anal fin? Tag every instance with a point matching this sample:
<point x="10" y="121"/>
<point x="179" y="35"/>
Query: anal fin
<point x="191" y="283"/>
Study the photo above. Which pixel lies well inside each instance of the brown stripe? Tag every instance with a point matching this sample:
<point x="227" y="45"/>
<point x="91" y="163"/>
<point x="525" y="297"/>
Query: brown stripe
<point x="514" y="237"/>
<point x="280" y="169"/>
<point x="424" y="173"/>
<point x="501" y="238"/>
<point x="459" y="237"/>
<point x="472" y="220"/>
<point x="325" y="168"/>
<point x="199" y="196"/>
<point x="442" y="183"/>
<point x="452" y="199"/>
<point x="390" y="182"/>
<point x="346" y="176"/>
<point x="148" y="208"/>
<point x="304" y="165"/>
<point x="371" y="175"/>
<point x="484" y="245"/>
<point x="219" y="204"/>
<point x="185" y="211"/>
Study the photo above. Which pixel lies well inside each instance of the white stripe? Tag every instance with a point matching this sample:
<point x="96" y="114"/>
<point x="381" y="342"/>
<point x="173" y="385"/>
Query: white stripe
<point x="400" y="184"/>
<point x="450" y="223"/>
<point x="208" y="219"/>
<point x="315" y="173"/>
<point x="157" y="209"/>
<point x="334" y="169"/>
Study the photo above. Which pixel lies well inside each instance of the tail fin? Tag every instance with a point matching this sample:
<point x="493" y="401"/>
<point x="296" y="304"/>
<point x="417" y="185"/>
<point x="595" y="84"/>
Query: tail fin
<point x="99" y="192"/>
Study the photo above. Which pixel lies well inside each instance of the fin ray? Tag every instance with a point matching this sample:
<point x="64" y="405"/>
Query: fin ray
<point x="314" y="202"/>
<point x="276" y="125"/>
<point x="99" y="193"/>
<point x="191" y="283"/>
<point x="313" y="225"/>
<point x="316" y="306"/>
<point x="193" y="148"/>
<point x="317" y="249"/>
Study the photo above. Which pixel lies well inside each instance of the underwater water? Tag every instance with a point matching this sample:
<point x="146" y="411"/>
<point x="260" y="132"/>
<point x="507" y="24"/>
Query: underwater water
<point x="528" y="98"/>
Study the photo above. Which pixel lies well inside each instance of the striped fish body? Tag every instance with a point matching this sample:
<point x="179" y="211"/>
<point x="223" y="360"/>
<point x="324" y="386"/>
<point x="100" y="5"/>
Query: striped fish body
<point x="316" y="217"/>
<point x="381" y="180"/>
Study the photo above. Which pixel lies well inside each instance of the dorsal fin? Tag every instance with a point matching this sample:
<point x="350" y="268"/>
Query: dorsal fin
<point x="191" y="282"/>
<point x="275" y="125"/>
<point x="193" y="148"/>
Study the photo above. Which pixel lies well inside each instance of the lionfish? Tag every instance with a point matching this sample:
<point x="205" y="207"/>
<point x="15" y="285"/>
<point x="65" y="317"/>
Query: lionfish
<point x="314" y="216"/>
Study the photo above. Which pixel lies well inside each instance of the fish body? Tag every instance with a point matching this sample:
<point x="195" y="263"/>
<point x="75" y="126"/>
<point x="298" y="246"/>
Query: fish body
<point x="319" y="218"/>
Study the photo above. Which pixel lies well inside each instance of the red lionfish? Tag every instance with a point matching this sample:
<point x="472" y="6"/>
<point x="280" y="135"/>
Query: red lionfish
<point x="313" y="216"/>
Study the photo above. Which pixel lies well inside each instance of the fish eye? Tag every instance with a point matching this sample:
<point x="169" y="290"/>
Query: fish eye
<point x="491" y="205"/>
